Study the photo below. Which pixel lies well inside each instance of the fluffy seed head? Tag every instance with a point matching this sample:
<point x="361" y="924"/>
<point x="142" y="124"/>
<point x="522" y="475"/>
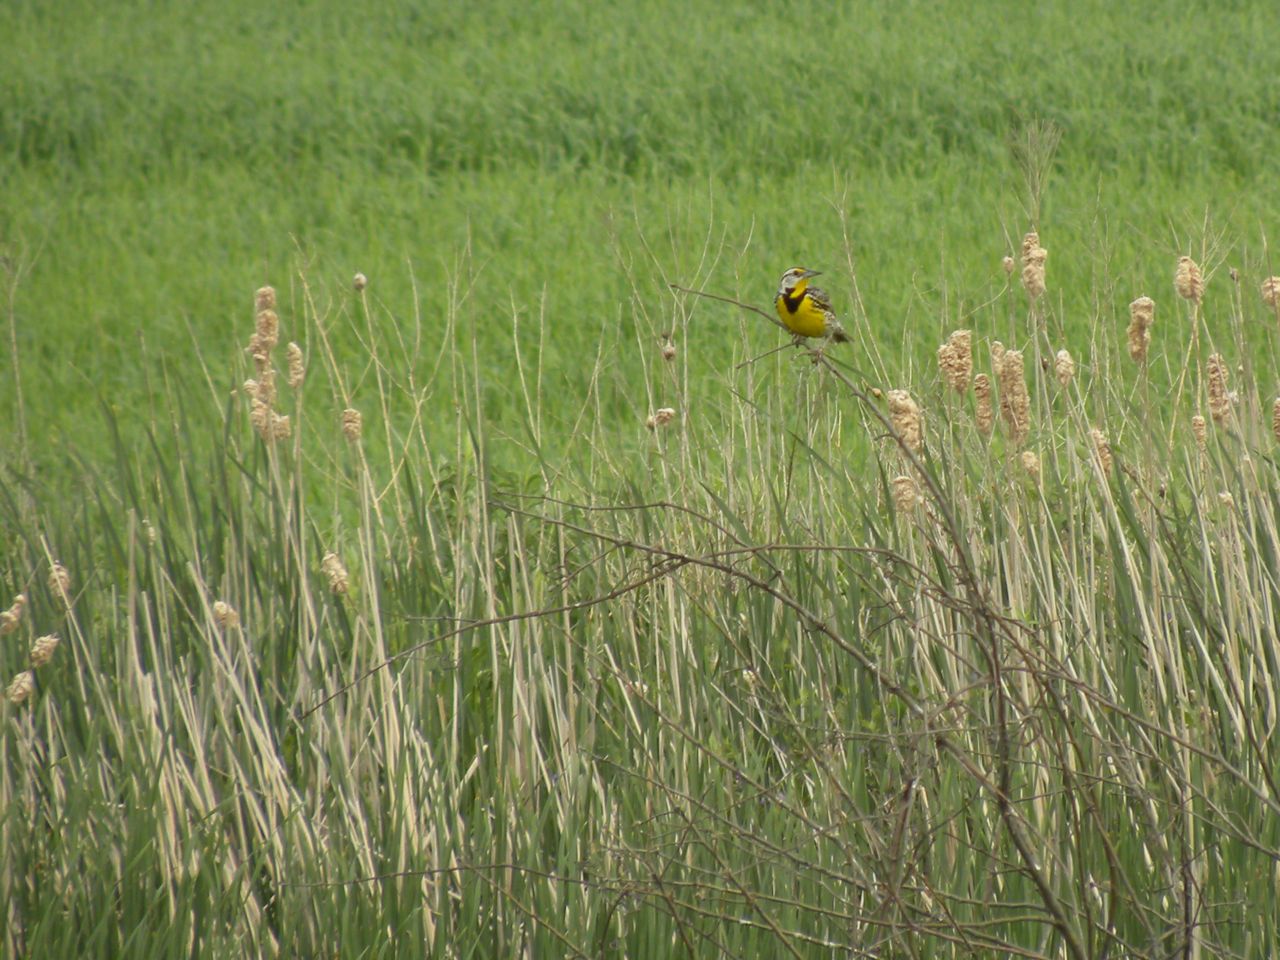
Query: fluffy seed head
<point x="225" y="615"/>
<point x="1064" y="365"/>
<point x="997" y="351"/>
<point x="1015" y="402"/>
<point x="297" y="369"/>
<point x="1008" y="265"/>
<point x="1271" y="292"/>
<point x="904" y="414"/>
<point x="905" y="494"/>
<point x="1142" y="314"/>
<point x="59" y="580"/>
<point x="660" y="418"/>
<point x="352" y="424"/>
<point x="1227" y="500"/>
<point x="42" y="650"/>
<point x="9" y="619"/>
<point x="264" y="299"/>
<point x="1219" y="398"/>
<point x="20" y="687"/>
<point x="1033" y="271"/>
<point x="955" y="360"/>
<point x="1188" y="281"/>
<point x="1030" y="242"/>
<point x="1200" y="429"/>
<point x="335" y="573"/>
<point x="1031" y="464"/>
<point x="1101" y="449"/>
<point x="360" y="281"/>
<point x="984" y="415"/>
<point x="668" y="351"/>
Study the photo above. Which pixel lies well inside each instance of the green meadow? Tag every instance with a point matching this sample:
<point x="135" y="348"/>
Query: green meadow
<point x="431" y="640"/>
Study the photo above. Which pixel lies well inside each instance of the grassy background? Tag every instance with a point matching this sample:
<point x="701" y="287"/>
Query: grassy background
<point x="764" y="718"/>
<point x="161" y="164"/>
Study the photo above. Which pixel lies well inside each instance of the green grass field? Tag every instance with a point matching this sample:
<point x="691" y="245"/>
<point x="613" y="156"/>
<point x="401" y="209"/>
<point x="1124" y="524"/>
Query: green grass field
<point x="510" y="674"/>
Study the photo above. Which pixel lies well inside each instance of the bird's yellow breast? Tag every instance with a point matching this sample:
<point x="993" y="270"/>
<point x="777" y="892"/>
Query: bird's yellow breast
<point x="800" y="314"/>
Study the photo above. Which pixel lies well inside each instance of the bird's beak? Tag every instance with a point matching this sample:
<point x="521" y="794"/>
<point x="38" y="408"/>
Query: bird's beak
<point x="810" y="273"/>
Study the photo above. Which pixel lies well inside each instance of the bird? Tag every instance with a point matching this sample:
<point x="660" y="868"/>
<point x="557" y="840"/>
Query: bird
<point x="806" y="311"/>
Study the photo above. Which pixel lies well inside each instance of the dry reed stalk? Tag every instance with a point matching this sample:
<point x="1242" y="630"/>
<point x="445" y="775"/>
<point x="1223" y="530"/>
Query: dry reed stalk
<point x="955" y="360"/>
<point x="904" y="414"/>
<point x="1141" y="316"/>
<point x="1275" y="420"/>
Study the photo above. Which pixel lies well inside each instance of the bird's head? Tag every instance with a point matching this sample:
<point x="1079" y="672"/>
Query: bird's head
<point x="795" y="279"/>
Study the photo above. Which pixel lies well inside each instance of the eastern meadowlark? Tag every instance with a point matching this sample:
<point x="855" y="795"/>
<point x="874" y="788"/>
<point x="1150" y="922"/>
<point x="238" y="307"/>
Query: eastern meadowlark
<point x="806" y="310"/>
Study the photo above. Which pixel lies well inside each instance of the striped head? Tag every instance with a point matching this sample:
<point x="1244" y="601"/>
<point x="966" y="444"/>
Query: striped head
<point x="794" y="281"/>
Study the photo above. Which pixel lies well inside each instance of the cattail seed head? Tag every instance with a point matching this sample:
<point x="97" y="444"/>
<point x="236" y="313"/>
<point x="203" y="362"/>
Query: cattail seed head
<point x="905" y="494"/>
<point x="20" y="687"/>
<point x="904" y="414"/>
<point x="1188" y="281"/>
<point x="1030" y="242"/>
<point x="42" y="650"/>
<point x="1064" y="366"/>
<point x="1271" y="292"/>
<point x="335" y="573"/>
<point x="984" y="415"/>
<point x="352" y="424"/>
<point x="281" y="427"/>
<point x="1008" y="265"/>
<point x="1033" y="262"/>
<point x="955" y="360"/>
<point x="1199" y="429"/>
<point x="997" y="351"/>
<point x="1015" y="402"/>
<point x="9" y="619"/>
<point x="59" y="580"/>
<point x="1219" y="398"/>
<point x="1101" y="449"/>
<point x="297" y="368"/>
<point x="1142" y="314"/>
<point x="360" y="281"/>
<point x="660" y="418"/>
<point x="264" y="299"/>
<point x="225" y="615"/>
<point x="1031" y="464"/>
